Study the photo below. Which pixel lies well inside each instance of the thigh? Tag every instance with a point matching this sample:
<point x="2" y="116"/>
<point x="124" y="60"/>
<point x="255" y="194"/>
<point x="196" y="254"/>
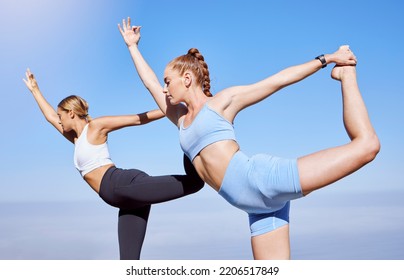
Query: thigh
<point x="322" y="168"/>
<point x="147" y="189"/>
<point x="131" y="188"/>
<point x="273" y="245"/>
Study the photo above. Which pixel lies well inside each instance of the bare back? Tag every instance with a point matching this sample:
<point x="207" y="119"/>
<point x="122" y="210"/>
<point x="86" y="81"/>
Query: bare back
<point x="94" y="178"/>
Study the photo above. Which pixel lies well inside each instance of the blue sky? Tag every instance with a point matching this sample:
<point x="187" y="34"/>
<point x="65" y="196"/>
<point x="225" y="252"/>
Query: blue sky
<point x="74" y="47"/>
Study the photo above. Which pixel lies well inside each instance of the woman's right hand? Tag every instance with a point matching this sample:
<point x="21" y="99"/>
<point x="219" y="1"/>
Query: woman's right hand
<point x="130" y="34"/>
<point x="342" y="57"/>
<point x="30" y="81"/>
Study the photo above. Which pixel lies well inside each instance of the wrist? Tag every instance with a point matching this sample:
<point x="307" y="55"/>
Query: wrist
<point x="329" y="58"/>
<point x="322" y="59"/>
<point x="35" y="91"/>
<point x="133" y="45"/>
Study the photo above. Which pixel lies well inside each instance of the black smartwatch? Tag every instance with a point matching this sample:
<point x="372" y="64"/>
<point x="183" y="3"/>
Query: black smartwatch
<point x="322" y="60"/>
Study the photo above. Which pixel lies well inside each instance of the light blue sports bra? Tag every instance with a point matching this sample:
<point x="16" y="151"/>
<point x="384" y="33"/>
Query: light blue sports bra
<point x="208" y="127"/>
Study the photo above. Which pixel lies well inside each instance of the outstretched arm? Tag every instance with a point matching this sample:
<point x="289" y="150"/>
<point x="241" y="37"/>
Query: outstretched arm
<point x="49" y="113"/>
<point x="131" y="36"/>
<point x="244" y="96"/>
<point x="110" y="123"/>
<point x="100" y="127"/>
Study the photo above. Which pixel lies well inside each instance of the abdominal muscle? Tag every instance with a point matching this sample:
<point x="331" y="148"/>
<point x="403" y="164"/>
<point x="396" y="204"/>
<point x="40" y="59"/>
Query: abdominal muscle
<point x="94" y="177"/>
<point x="211" y="163"/>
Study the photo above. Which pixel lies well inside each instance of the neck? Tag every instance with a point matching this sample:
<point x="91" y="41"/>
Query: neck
<point x="196" y="101"/>
<point x="79" y="126"/>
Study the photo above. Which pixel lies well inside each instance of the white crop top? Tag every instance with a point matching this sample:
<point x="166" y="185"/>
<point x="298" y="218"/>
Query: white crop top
<point x="87" y="156"/>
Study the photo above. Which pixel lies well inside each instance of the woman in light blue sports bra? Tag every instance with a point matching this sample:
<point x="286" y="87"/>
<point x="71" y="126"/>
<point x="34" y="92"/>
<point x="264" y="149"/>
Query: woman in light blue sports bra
<point x="261" y="185"/>
<point x="131" y="190"/>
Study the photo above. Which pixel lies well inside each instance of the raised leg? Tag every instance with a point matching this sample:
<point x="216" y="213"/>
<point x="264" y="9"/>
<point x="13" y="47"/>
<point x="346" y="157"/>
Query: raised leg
<point x="325" y="167"/>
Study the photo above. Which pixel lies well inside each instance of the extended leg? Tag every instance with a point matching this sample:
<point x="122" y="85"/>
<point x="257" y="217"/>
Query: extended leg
<point x="144" y="189"/>
<point x="325" y="167"/>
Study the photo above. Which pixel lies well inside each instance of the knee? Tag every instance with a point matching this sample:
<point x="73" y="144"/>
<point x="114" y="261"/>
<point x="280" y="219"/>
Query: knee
<point x="196" y="182"/>
<point x="193" y="185"/>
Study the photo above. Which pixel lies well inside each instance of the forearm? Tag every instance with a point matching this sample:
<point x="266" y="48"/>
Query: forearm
<point x="152" y="84"/>
<point x="150" y="116"/>
<point x="148" y="77"/>
<point x="46" y="109"/>
<point x="143" y="69"/>
<point x="295" y="73"/>
<point x="110" y="123"/>
<point x="247" y="95"/>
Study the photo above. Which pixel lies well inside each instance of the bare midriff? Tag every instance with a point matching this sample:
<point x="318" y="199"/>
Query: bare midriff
<point x="211" y="163"/>
<point x="94" y="177"/>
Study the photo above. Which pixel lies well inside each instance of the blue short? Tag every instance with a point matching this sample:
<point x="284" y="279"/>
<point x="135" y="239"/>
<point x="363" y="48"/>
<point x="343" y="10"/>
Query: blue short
<point x="262" y="186"/>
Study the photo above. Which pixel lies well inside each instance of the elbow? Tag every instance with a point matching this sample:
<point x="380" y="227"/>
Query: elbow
<point x="151" y="83"/>
<point x="371" y="148"/>
<point x="51" y="120"/>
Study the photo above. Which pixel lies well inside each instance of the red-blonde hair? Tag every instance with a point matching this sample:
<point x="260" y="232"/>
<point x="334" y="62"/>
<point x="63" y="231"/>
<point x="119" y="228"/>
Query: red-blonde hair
<point x="193" y="61"/>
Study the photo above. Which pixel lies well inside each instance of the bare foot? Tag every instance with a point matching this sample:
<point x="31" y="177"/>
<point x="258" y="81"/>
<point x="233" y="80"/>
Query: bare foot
<point x="340" y="72"/>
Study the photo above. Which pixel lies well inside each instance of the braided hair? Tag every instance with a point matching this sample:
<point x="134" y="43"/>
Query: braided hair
<point x="194" y="61"/>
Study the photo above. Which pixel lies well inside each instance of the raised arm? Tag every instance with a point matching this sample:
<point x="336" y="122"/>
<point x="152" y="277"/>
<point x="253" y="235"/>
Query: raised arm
<point x="244" y="96"/>
<point x="131" y="36"/>
<point x="47" y="110"/>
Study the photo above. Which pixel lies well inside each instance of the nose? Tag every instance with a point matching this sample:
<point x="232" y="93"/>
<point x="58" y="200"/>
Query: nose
<point x="165" y="90"/>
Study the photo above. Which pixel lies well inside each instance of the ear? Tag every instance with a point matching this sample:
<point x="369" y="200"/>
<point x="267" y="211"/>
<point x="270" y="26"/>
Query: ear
<point x="187" y="78"/>
<point x="71" y="114"/>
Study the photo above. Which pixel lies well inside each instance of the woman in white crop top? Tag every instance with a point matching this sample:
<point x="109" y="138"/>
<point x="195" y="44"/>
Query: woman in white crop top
<point x="261" y="185"/>
<point x="132" y="191"/>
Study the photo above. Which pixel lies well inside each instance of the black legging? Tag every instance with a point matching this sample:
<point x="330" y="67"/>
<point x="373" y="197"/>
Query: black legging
<point x="133" y="192"/>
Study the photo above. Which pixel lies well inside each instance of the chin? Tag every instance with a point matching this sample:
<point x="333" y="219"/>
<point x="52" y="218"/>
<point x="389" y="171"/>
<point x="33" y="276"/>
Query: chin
<point x="173" y="102"/>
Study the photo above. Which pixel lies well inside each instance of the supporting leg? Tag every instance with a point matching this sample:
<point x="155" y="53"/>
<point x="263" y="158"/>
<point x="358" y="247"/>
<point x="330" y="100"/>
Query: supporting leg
<point x="132" y="226"/>
<point x="273" y="245"/>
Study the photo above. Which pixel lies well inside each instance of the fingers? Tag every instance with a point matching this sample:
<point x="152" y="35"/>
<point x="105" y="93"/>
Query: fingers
<point x="354" y="60"/>
<point x="29" y="75"/>
<point x="120" y="29"/>
<point x="347" y="56"/>
<point x="136" y="29"/>
<point x="126" y="25"/>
